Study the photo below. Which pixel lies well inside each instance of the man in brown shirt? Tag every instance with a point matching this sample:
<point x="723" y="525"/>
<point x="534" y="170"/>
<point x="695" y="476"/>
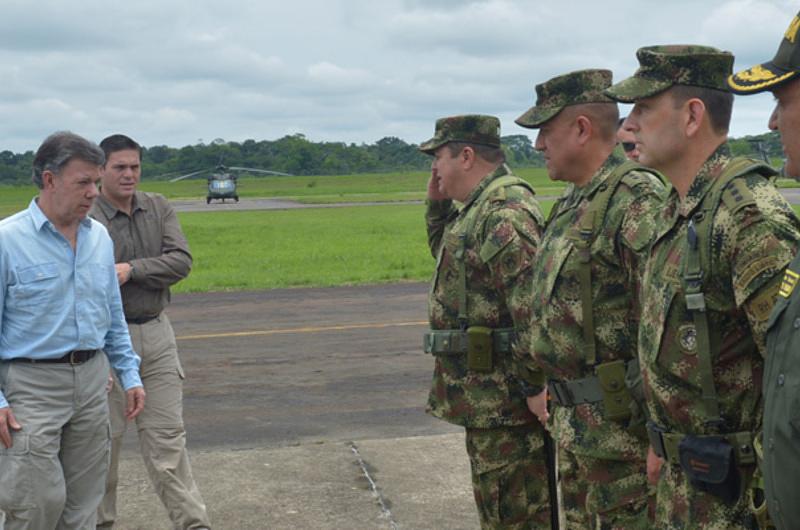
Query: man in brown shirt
<point x="151" y="254"/>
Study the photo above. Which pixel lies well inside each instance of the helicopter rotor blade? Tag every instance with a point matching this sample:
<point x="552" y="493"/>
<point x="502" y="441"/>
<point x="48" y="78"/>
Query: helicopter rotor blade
<point x="261" y="171"/>
<point x="176" y="179"/>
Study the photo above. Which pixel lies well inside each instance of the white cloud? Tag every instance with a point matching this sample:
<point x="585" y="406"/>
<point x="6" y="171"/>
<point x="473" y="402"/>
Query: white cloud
<point x="335" y="70"/>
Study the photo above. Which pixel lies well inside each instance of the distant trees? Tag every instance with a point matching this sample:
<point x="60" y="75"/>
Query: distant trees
<point x="297" y="155"/>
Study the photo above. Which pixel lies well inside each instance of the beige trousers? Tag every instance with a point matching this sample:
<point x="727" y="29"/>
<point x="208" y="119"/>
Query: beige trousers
<point x="162" y="438"/>
<point x="53" y="474"/>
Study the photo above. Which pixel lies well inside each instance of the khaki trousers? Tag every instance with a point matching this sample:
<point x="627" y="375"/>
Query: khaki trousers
<point x="53" y="474"/>
<point x="162" y="438"/>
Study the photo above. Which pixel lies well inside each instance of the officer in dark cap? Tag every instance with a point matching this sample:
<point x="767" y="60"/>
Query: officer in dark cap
<point x="781" y="433"/>
<point x="710" y="282"/>
<point x="479" y="310"/>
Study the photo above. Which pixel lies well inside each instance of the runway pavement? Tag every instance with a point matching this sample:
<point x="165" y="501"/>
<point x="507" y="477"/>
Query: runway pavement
<point x="304" y="409"/>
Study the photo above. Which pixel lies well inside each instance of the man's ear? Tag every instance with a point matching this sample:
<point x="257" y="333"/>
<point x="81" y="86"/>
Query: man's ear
<point x="695" y="116"/>
<point x="48" y="179"/>
<point x="584" y="129"/>
<point x="467" y="157"/>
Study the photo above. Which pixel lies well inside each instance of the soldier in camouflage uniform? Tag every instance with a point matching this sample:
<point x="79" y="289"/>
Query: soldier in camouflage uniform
<point x="586" y="311"/>
<point x="479" y="311"/>
<point x="724" y="237"/>
<point x="781" y="438"/>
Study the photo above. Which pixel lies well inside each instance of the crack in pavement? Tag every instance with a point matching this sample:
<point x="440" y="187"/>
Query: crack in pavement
<point x="376" y="492"/>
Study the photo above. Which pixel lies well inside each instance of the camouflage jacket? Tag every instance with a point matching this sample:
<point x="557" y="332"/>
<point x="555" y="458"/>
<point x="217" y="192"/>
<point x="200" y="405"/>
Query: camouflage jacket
<point x="750" y="247"/>
<point x="499" y="258"/>
<point x="618" y="253"/>
<point x="617" y="256"/>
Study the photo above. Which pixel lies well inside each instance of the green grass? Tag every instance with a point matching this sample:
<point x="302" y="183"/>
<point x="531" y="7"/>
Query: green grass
<point x="312" y="247"/>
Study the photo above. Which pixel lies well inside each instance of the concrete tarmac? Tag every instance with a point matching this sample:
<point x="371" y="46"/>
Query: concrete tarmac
<point x="304" y="409"/>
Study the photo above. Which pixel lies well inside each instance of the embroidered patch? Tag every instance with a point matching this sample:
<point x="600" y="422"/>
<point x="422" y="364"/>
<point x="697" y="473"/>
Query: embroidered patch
<point x="789" y="281"/>
<point x="687" y="337"/>
<point x="762" y="305"/>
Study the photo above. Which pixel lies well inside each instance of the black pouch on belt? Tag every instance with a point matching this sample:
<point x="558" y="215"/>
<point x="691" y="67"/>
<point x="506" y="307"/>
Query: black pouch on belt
<point x="710" y="464"/>
<point x="479" y="349"/>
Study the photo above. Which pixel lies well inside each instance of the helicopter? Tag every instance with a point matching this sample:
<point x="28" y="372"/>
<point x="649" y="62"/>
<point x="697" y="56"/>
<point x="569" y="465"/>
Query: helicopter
<point x="222" y="180"/>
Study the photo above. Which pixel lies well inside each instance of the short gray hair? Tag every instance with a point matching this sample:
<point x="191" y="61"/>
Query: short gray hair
<point x="58" y="149"/>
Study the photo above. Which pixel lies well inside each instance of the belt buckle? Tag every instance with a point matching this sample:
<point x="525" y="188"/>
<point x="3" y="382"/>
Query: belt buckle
<point x="561" y="392"/>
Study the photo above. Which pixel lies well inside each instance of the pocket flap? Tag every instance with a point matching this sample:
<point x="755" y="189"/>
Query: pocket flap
<point x="37" y="273"/>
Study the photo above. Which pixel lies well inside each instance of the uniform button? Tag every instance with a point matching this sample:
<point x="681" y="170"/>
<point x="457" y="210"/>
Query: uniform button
<point x="771" y="444"/>
<point x="796" y="323"/>
<point x="781" y="379"/>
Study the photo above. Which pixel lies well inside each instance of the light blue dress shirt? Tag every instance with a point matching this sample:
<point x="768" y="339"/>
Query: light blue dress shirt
<point x="54" y="300"/>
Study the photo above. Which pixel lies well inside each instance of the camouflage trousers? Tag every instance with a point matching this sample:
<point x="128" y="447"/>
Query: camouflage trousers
<point x="602" y="472"/>
<point x="679" y="505"/>
<point x="509" y="477"/>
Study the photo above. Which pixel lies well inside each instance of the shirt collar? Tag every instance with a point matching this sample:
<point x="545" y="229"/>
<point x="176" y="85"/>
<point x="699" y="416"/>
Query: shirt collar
<point x="704" y="179"/>
<point x="40" y="219"/>
<point x="501" y="170"/>
<point x="111" y="211"/>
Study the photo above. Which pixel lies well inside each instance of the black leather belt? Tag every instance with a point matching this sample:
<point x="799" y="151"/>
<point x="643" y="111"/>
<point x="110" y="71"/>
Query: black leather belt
<point x="73" y="357"/>
<point x="141" y="320"/>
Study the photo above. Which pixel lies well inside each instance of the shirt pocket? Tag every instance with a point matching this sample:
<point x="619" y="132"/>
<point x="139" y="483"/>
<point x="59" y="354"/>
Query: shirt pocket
<point x="35" y="283"/>
<point x="554" y="265"/>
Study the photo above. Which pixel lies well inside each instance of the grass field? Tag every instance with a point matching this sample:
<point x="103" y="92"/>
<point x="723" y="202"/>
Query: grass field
<point x="313" y="247"/>
<point x="316" y="189"/>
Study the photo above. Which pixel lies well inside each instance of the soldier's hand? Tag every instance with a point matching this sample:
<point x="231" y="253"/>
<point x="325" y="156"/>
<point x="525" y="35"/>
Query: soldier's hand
<point x="654" y="463"/>
<point x="7" y="421"/>
<point x="538" y="406"/>
<point x="135" y="402"/>
<point x="123" y="272"/>
<point x="433" y="187"/>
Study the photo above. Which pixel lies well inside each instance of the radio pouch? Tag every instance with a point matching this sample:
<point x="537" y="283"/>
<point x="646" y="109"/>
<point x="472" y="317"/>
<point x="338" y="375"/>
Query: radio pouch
<point x="710" y="464"/>
<point x="479" y="349"/>
<point x="616" y="396"/>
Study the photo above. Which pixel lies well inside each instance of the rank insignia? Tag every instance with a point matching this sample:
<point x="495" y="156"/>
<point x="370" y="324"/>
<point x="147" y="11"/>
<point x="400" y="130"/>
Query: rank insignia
<point x="789" y="281"/>
<point x="687" y="337"/>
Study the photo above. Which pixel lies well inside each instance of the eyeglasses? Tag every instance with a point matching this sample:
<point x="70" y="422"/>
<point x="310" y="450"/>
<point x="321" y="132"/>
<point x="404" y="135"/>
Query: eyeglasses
<point x="628" y="146"/>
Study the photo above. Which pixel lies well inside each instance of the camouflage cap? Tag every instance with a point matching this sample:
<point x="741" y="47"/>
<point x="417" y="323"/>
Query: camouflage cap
<point x="574" y="88"/>
<point x="766" y="76"/>
<point x="469" y="128"/>
<point x="661" y="67"/>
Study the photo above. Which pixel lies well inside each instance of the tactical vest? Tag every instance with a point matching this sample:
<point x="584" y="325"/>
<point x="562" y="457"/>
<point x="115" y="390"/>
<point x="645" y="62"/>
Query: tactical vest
<point x="731" y="190"/>
<point x="679" y="448"/>
<point x="478" y="342"/>
<point x="608" y="385"/>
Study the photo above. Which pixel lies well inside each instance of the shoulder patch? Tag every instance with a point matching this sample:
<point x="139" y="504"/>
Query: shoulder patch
<point x="737" y="194"/>
<point x="788" y="284"/>
<point x="763" y="302"/>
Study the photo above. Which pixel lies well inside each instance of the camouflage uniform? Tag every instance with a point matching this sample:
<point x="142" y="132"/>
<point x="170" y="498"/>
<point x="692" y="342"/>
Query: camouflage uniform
<point x="602" y="470"/>
<point x="683" y="335"/>
<point x="781" y="434"/>
<point x="501" y="230"/>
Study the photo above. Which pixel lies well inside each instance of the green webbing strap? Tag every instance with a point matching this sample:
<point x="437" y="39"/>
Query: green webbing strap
<point x="461" y="253"/>
<point x="698" y="258"/>
<point x="588" y="228"/>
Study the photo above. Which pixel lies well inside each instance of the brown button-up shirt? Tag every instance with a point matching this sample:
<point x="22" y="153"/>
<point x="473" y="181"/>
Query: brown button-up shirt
<point x="151" y="240"/>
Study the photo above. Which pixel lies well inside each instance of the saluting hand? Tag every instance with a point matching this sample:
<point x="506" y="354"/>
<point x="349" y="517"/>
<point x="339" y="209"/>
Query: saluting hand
<point x="135" y="402"/>
<point x="433" y="187"/>
<point x="7" y="420"/>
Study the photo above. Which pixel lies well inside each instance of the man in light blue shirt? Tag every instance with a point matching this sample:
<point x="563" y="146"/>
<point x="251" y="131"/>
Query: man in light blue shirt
<point x="60" y="309"/>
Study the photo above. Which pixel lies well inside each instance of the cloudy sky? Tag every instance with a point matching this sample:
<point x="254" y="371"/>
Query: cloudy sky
<point x="177" y="72"/>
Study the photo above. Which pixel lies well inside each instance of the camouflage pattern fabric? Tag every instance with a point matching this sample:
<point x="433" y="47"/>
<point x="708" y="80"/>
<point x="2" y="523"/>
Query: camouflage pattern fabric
<point x="509" y="477"/>
<point x="661" y="67"/>
<point x="469" y="128"/>
<point x="499" y="258"/>
<point x="750" y="247"/>
<point x="601" y="462"/>
<point x="574" y="88"/>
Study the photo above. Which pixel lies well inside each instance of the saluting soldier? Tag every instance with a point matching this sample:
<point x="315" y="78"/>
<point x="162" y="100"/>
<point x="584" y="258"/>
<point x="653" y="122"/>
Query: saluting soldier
<point x="781" y="438"/>
<point x="586" y="309"/>
<point x="724" y="237"/>
<point x="479" y="311"/>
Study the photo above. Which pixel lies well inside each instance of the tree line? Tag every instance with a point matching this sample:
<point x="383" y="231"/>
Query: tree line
<point x="297" y="155"/>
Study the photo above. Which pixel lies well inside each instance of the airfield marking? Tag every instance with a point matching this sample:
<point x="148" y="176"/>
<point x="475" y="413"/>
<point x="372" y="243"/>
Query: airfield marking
<point x="316" y="329"/>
